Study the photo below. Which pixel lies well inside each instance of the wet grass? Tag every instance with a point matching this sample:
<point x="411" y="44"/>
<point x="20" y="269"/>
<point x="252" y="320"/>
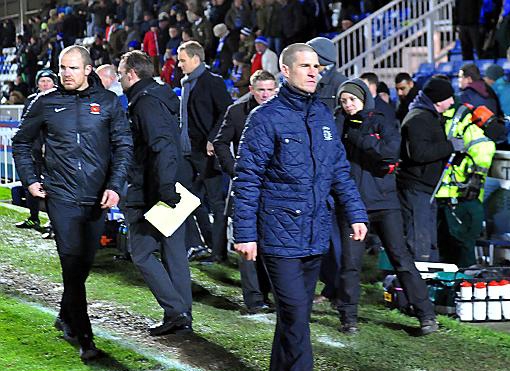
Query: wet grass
<point x="30" y="343"/>
<point x="387" y="340"/>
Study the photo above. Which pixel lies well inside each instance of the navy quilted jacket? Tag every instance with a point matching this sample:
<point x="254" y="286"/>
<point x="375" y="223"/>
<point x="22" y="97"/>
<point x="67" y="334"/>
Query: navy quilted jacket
<point x="290" y="158"/>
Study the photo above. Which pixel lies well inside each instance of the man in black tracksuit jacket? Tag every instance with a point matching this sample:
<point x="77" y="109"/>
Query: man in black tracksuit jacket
<point x="254" y="280"/>
<point x="153" y="110"/>
<point x="88" y="148"/>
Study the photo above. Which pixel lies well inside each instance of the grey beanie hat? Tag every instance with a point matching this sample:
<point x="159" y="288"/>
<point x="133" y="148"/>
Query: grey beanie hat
<point x="352" y="88"/>
<point x="325" y="49"/>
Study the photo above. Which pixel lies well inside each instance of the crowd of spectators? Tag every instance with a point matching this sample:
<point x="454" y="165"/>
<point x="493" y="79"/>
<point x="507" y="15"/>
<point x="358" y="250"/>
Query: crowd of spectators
<point x="239" y="36"/>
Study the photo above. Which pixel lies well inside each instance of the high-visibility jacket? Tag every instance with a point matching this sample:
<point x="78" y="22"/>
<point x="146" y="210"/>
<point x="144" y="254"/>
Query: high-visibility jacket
<point x="477" y="158"/>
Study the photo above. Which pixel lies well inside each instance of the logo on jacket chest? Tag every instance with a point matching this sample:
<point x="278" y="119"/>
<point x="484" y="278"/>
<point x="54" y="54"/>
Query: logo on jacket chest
<point x="326" y="132"/>
<point x="95" y="109"/>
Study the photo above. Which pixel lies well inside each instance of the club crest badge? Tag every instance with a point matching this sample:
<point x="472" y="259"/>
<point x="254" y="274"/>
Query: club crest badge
<point x="95" y="109"/>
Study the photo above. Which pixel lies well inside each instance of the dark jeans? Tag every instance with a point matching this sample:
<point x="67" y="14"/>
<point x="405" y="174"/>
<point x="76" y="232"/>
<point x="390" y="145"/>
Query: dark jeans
<point x="387" y="224"/>
<point x="32" y="205"/>
<point x="77" y="232"/>
<point x="420" y="224"/>
<point x="331" y="262"/>
<point x="457" y="240"/>
<point x="207" y="184"/>
<point x="470" y="39"/>
<point x="169" y="278"/>
<point x="293" y="281"/>
<point x="254" y="282"/>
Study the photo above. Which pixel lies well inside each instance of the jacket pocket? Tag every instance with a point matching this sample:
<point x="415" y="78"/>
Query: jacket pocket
<point x="292" y="150"/>
<point x="283" y="223"/>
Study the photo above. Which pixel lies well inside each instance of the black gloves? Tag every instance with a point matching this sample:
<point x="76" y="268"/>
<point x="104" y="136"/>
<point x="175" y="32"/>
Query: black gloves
<point x="171" y="199"/>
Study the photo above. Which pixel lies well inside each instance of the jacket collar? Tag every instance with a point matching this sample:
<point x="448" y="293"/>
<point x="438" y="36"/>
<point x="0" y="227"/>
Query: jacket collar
<point x="295" y="98"/>
<point x="423" y="102"/>
<point x="94" y="86"/>
<point x="138" y="88"/>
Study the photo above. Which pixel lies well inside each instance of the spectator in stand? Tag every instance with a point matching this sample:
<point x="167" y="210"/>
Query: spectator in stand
<point x="238" y="15"/>
<point x="148" y="19"/>
<point x="174" y="38"/>
<point x="98" y="52"/>
<point x="201" y="30"/>
<point x="424" y="151"/>
<point x="55" y="48"/>
<point x="8" y="34"/>
<point x="118" y="37"/>
<point x="204" y="101"/>
<point x="330" y="79"/>
<point x="475" y="91"/>
<point x="134" y="45"/>
<point x="52" y="23"/>
<point x="186" y="34"/>
<point x="406" y="92"/>
<point x="466" y="18"/>
<point x="218" y="11"/>
<point x="262" y="86"/>
<point x="228" y="44"/>
<point x="83" y="17"/>
<point x="163" y="35"/>
<point x="503" y="31"/>
<point x="264" y="58"/>
<point x="489" y="17"/>
<point x="121" y="10"/>
<point x="240" y="75"/>
<point x="71" y="26"/>
<point x="246" y="44"/>
<point x="167" y="72"/>
<point x="495" y="77"/>
<point x="150" y="45"/>
<point x="100" y="10"/>
<point x="372" y="81"/>
<point x="273" y="26"/>
<point x="16" y="97"/>
<point x="21" y="86"/>
<point x="384" y="92"/>
<point x="293" y="22"/>
<point x="181" y="20"/>
<point x="108" y="75"/>
<point x="131" y="34"/>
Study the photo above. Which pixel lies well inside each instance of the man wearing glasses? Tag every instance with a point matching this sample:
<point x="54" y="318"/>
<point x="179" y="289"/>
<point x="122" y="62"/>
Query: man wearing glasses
<point x="88" y="149"/>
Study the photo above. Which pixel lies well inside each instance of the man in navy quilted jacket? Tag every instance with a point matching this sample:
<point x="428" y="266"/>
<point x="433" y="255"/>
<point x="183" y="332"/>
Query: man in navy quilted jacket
<point x="289" y="160"/>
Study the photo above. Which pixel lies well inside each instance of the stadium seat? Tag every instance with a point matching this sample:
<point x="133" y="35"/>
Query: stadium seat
<point x="447" y="68"/>
<point x="426" y="69"/>
<point x="483" y="64"/>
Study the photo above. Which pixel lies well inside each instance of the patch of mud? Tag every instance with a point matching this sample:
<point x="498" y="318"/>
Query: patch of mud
<point x="191" y="350"/>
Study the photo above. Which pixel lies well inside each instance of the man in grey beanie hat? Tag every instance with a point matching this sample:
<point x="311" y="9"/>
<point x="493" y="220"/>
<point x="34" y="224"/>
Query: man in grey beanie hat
<point x="329" y="77"/>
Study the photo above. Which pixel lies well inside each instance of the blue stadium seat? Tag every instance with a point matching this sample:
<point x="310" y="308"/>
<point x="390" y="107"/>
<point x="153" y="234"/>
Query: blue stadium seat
<point x="447" y="68"/>
<point x="483" y="64"/>
<point x="426" y="69"/>
<point x="505" y="63"/>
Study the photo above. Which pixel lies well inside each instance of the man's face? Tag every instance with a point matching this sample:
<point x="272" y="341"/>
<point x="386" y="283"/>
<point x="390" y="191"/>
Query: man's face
<point x="263" y="90"/>
<point x="73" y="72"/>
<point x="444" y="105"/>
<point x="464" y="81"/>
<point x="172" y="31"/>
<point x="188" y="64"/>
<point x="106" y="79"/>
<point x="45" y="83"/>
<point x="303" y="72"/>
<point x="403" y="88"/>
<point x="123" y="76"/>
<point x="260" y="48"/>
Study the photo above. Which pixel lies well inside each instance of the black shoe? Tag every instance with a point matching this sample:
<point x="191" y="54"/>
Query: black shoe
<point x="428" y="326"/>
<point x="47" y="233"/>
<point x="29" y="224"/>
<point x="89" y="352"/>
<point x="197" y="252"/>
<point x="349" y="328"/>
<point x="179" y="324"/>
<point x="63" y="326"/>
<point x="257" y="309"/>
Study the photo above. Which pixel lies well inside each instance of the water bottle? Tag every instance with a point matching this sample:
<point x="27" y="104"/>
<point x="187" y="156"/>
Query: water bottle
<point x="494" y="304"/>
<point x="464" y="308"/>
<point x="480" y="305"/>
<point x="504" y="290"/>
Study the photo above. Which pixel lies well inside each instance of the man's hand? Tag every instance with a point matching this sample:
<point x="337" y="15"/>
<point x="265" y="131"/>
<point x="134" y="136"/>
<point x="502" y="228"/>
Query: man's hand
<point x="110" y="199"/>
<point x="37" y="190"/>
<point x="210" y="149"/>
<point x="247" y="250"/>
<point x="360" y="231"/>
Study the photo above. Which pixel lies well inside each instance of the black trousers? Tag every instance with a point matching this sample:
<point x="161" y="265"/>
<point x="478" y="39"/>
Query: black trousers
<point x="254" y="282"/>
<point x="470" y="39"/>
<point x="77" y="232"/>
<point x="168" y="278"/>
<point x="331" y="262"/>
<point x="293" y="281"/>
<point x="387" y="224"/>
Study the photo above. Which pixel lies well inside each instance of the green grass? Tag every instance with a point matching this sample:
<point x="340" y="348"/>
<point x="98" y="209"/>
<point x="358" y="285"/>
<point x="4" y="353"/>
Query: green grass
<point x="386" y="341"/>
<point x="30" y="343"/>
<point x="5" y="193"/>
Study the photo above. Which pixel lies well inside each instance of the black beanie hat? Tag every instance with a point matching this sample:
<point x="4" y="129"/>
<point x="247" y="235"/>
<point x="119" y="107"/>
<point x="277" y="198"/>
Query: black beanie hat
<point x="354" y="89"/>
<point x="438" y="90"/>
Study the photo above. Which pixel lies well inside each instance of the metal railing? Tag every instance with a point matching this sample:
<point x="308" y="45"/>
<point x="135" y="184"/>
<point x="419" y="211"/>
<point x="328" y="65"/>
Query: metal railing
<point x="10" y="116"/>
<point x="397" y="37"/>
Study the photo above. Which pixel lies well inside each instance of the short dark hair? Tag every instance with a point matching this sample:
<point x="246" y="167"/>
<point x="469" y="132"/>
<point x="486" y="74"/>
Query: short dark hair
<point x="193" y="48"/>
<point x="139" y="62"/>
<point x="402" y="76"/>
<point x="371" y="77"/>
<point x="85" y="55"/>
<point x="471" y="70"/>
<point x="441" y="76"/>
<point x="261" y="75"/>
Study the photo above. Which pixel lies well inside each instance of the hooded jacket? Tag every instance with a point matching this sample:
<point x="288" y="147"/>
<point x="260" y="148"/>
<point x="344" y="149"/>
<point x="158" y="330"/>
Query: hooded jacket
<point x="425" y="148"/>
<point x="290" y="158"/>
<point x="480" y="94"/>
<point x="153" y="112"/>
<point x="372" y="144"/>
<point x="87" y="141"/>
